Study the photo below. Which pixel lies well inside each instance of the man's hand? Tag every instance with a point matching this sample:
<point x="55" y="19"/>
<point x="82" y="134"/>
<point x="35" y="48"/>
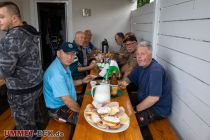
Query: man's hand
<point x="92" y="64"/>
<point x="87" y="79"/>
<point x="123" y="84"/>
<point x="71" y="103"/>
<point x="147" y="103"/>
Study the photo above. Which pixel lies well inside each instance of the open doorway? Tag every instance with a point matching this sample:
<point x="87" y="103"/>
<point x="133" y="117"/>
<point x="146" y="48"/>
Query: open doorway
<point x="52" y="25"/>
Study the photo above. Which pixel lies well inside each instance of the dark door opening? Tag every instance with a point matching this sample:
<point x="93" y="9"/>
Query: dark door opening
<point x="52" y="25"/>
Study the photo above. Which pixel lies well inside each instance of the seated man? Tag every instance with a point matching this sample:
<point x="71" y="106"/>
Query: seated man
<point x="130" y="43"/>
<point x="77" y="67"/>
<point x="123" y="54"/>
<point x="88" y="36"/>
<point x="153" y="100"/>
<point x="59" y="91"/>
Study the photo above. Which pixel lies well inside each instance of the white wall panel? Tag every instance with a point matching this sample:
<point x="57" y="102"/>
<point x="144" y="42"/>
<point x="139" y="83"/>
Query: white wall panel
<point x="194" y="48"/>
<point x="143" y="27"/>
<point x="142" y="22"/>
<point x="147" y="9"/>
<point x="183" y="42"/>
<point x="190" y="121"/>
<point x="194" y="104"/>
<point x="195" y="29"/>
<point x="183" y="110"/>
<point x="141" y="35"/>
<point x="169" y="3"/>
<point x="195" y="86"/>
<point x="191" y="65"/>
<point x="188" y="10"/>
<point x="148" y="18"/>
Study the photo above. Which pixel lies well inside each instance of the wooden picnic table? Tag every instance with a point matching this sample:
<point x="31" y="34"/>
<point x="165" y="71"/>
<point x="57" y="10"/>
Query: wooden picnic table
<point x="84" y="131"/>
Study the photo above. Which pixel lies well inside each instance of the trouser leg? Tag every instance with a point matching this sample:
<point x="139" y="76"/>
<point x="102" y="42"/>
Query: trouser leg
<point x="146" y="116"/>
<point x="23" y="111"/>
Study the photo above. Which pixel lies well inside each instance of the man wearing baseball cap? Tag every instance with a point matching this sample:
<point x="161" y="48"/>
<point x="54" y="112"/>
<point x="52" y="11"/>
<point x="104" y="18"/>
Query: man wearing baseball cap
<point x="130" y="43"/>
<point x="59" y="87"/>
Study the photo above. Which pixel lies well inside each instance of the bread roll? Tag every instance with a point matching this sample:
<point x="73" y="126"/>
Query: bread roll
<point x="95" y="118"/>
<point x="104" y="110"/>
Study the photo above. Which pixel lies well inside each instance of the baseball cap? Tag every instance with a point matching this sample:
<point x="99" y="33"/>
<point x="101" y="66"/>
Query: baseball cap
<point x="130" y="38"/>
<point x="67" y="47"/>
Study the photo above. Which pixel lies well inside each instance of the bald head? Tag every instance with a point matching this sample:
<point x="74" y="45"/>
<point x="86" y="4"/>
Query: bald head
<point x="79" y="38"/>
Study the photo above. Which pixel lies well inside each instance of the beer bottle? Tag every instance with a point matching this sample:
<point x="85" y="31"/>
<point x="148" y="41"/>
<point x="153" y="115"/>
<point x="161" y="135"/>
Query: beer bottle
<point x="114" y="84"/>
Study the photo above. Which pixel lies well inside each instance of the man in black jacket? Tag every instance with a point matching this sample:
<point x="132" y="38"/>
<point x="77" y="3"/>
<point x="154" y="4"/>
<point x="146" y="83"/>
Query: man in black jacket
<point x="20" y="66"/>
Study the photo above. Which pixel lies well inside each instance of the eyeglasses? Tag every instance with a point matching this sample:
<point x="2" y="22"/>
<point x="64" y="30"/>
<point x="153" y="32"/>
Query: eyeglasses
<point x="128" y="44"/>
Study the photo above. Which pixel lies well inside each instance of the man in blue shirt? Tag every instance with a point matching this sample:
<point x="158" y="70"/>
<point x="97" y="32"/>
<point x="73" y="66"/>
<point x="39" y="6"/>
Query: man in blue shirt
<point x="59" y="90"/>
<point x="153" y="99"/>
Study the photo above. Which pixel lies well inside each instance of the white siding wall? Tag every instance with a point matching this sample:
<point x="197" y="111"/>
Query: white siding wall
<point x="142" y="22"/>
<point x="183" y="47"/>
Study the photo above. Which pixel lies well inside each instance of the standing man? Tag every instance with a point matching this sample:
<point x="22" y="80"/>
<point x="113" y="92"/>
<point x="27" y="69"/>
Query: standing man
<point x="153" y="99"/>
<point x="20" y="66"/>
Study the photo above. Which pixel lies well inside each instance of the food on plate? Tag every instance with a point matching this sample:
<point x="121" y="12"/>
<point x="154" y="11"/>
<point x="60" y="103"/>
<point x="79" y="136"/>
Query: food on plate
<point x="108" y="115"/>
<point x="124" y="119"/>
<point x="114" y="110"/>
<point x="95" y="118"/>
<point x="96" y="104"/>
<point x="90" y="109"/>
<point x="111" y="121"/>
<point x="102" y="125"/>
<point x="112" y="104"/>
<point x="104" y="110"/>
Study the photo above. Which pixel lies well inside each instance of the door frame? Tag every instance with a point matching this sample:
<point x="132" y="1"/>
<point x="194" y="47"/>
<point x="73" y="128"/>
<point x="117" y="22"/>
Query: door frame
<point x="68" y="15"/>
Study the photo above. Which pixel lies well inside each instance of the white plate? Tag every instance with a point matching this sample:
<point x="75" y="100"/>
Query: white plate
<point x="122" y="128"/>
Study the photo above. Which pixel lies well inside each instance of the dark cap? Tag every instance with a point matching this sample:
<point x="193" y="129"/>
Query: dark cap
<point x="67" y="47"/>
<point x="130" y="38"/>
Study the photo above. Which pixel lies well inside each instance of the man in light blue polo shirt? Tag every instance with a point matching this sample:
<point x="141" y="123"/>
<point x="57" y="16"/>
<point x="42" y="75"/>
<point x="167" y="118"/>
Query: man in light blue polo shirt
<point x="59" y="91"/>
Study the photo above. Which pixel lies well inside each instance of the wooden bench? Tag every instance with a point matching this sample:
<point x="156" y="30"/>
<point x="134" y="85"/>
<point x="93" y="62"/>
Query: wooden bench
<point x="59" y="126"/>
<point x="162" y="130"/>
<point x="6" y="123"/>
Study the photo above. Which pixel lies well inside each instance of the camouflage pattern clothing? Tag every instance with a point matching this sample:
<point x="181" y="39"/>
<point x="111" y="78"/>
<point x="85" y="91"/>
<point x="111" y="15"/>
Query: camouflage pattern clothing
<point x="26" y="111"/>
<point x="123" y="57"/>
<point x="20" y="66"/>
<point x="20" y="62"/>
<point x="132" y="60"/>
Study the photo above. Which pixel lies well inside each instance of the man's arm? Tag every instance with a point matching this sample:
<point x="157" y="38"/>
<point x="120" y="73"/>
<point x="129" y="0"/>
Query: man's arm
<point x="71" y="103"/>
<point x="91" y="66"/>
<point x="85" y="80"/>
<point x="9" y="57"/>
<point x="147" y="102"/>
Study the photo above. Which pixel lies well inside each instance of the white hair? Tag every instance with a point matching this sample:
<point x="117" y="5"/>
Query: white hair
<point x="145" y="44"/>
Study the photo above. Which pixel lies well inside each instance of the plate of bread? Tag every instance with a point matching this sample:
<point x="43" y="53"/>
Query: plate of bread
<point x="107" y="117"/>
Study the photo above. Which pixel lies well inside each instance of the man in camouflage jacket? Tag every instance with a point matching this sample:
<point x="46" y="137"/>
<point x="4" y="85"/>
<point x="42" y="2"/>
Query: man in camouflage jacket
<point x="20" y="66"/>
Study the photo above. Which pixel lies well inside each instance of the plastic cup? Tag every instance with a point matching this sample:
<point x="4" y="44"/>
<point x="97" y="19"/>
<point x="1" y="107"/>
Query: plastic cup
<point x="114" y="90"/>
